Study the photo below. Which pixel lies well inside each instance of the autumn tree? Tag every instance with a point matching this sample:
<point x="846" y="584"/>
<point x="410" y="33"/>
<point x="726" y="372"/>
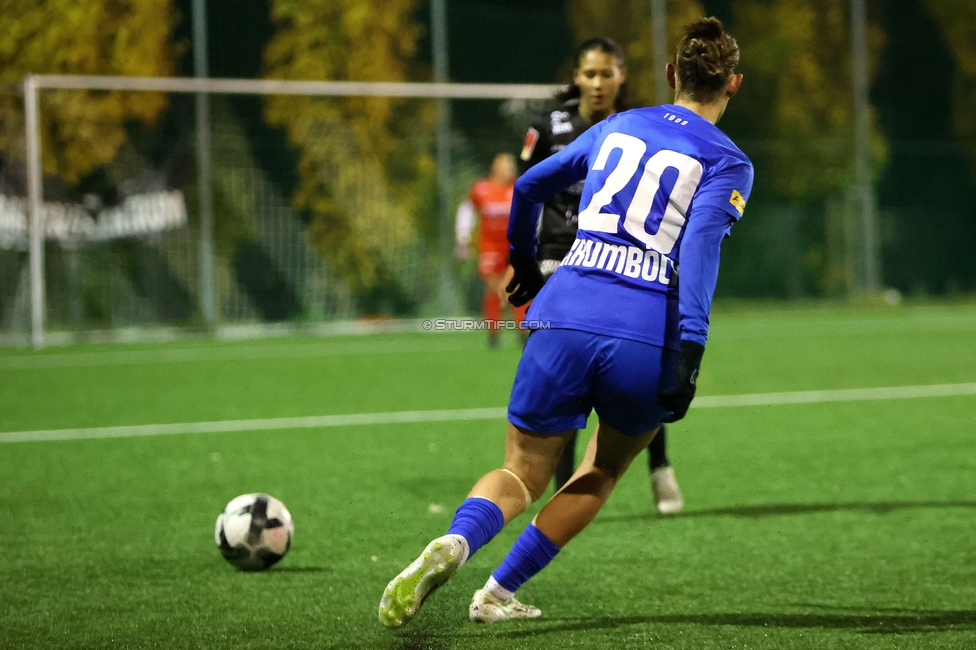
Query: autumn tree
<point x="362" y="160"/>
<point x="796" y="56"/>
<point x="82" y="130"/>
<point x="958" y="21"/>
<point x="799" y="52"/>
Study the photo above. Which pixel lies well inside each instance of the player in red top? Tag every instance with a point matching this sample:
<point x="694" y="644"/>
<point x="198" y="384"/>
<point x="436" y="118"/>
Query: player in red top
<point x="491" y="198"/>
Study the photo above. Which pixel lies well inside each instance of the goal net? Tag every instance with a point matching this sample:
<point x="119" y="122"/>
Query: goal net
<point x="142" y="206"/>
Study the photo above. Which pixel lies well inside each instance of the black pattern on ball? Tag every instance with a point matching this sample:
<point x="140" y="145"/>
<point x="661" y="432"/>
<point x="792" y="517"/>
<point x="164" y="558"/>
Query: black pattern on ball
<point x="254" y="532"/>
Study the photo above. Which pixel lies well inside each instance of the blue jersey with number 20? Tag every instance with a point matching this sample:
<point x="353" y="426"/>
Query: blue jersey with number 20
<point x="663" y="188"/>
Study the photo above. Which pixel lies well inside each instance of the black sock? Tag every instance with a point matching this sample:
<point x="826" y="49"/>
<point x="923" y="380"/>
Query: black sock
<point x="567" y="462"/>
<point x="657" y="455"/>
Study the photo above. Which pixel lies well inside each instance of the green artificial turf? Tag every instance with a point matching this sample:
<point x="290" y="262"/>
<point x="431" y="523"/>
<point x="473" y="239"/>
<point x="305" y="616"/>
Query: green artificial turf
<point x="831" y="525"/>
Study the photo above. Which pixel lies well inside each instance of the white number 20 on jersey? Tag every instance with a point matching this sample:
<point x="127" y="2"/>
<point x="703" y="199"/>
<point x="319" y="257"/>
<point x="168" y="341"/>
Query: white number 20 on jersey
<point x="639" y="217"/>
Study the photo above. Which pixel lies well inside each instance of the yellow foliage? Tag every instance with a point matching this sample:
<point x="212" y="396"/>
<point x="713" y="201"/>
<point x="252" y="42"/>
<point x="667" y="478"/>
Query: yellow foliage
<point x="802" y="50"/>
<point x="82" y="130"/>
<point x="347" y="145"/>
<point x="958" y="21"/>
<point x="629" y="23"/>
<point x="797" y="48"/>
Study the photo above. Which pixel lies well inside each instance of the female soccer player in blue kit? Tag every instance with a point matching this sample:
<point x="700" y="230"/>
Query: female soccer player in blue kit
<point x="598" y="90"/>
<point x="663" y="188"/>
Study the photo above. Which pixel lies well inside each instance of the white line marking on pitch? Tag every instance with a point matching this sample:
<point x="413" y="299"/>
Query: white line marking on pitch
<point x="458" y="415"/>
<point x="312" y="422"/>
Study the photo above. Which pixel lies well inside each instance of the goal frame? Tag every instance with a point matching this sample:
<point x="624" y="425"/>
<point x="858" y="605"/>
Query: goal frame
<point x="204" y="87"/>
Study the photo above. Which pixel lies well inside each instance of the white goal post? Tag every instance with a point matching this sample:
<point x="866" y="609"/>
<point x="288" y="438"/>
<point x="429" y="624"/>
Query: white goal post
<point x="32" y="84"/>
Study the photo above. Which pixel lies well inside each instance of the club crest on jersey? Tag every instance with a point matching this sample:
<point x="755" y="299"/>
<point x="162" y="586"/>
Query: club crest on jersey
<point x="560" y="122"/>
<point x="530" y="139"/>
<point x="738" y="202"/>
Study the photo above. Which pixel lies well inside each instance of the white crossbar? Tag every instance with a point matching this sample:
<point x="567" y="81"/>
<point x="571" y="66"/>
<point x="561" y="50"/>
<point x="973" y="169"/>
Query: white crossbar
<point x="288" y="87"/>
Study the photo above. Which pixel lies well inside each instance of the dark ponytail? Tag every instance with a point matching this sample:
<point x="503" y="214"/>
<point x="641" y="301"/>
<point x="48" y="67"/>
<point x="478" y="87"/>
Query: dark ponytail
<point x="706" y="59"/>
<point x="607" y="46"/>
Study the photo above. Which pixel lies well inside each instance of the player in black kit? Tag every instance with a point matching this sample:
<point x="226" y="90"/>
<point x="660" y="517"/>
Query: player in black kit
<point x="599" y="89"/>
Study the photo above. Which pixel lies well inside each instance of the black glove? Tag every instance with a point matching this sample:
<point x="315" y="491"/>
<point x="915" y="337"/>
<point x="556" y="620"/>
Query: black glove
<point x="527" y="280"/>
<point x="678" y="398"/>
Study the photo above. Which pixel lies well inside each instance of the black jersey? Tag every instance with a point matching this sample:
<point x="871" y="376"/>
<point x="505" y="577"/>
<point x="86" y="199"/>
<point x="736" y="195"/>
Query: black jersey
<point x="548" y="135"/>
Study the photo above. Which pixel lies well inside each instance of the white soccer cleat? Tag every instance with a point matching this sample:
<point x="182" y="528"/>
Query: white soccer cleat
<point x="486" y="607"/>
<point x="405" y="594"/>
<point x="667" y="495"/>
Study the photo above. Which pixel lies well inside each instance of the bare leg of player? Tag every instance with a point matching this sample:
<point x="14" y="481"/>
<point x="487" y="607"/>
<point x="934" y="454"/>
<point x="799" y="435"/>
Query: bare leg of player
<point x="491" y="308"/>
<point x="570" y="510"/>
<point x="608" y="456"/>
<point x="497" y="498"/>
<point x="664" y="485"/>
<point x="530" y="460"/>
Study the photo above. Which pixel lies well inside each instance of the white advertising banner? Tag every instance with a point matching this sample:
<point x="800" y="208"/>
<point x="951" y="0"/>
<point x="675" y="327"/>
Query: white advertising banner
<point x="136" y="216"/>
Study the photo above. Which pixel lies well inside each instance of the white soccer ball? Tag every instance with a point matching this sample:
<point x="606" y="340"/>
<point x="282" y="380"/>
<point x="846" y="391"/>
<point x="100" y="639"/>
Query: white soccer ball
<point x="254" y="531"/>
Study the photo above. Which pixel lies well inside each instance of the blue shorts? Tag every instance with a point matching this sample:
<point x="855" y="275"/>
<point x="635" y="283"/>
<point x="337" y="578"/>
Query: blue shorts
<point x="564" y="374"/>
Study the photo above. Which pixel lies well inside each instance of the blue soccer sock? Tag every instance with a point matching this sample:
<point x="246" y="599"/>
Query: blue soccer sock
<point x="530" y="554"/>
<point x="477" y="520"/>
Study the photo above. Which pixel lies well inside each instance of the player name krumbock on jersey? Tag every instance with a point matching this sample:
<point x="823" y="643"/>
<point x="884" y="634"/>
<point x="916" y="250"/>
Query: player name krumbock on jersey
<point x="632" y="261"/>
<point x="663" y="188"/>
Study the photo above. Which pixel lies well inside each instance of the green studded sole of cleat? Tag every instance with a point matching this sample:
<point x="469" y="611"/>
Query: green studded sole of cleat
<point x="397" y="606"/>
<point x="403" y="597"/>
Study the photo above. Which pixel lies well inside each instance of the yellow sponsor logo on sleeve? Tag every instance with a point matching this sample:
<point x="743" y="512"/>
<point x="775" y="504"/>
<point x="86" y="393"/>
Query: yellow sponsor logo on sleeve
<point x="737" y="201"/>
